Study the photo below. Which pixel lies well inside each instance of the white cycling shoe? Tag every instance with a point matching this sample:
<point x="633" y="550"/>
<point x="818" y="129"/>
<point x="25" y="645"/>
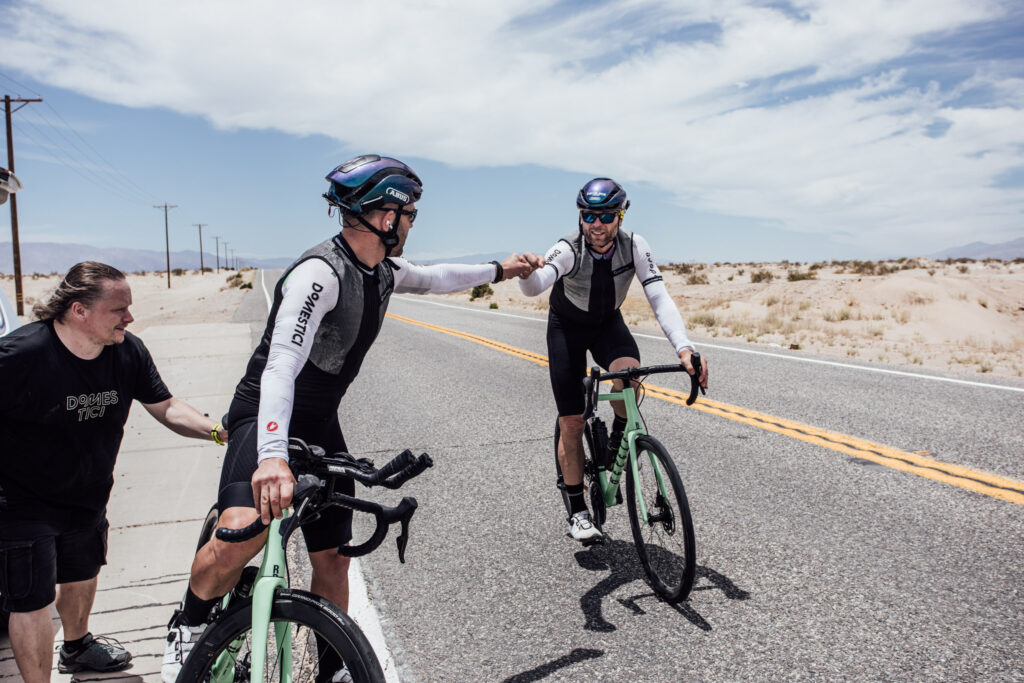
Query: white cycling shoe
<point x="180" y="641"/>
<point x="582" y="528"/>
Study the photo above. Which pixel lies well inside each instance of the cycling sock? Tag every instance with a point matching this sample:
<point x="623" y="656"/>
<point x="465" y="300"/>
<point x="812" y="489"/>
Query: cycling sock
<point x="195" y="610"/>
<point x="75" y="646"/>
<point x="618" y="424"/>
<point x="577" y="503"/>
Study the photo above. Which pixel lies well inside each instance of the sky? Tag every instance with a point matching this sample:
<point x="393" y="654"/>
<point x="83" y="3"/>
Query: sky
<point x="742" y="130"/>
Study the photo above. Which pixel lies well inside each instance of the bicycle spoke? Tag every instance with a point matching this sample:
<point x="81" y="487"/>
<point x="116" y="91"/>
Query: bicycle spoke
<point x="664" y="541"/>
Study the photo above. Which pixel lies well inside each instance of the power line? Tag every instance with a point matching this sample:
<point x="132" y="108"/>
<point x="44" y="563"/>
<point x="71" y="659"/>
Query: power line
<point x="167" y="238"/>
<point x="125" y="182"/>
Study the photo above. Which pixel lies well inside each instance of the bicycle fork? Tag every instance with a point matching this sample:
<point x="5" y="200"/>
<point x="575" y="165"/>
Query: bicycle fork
<point x="273" y="575"/>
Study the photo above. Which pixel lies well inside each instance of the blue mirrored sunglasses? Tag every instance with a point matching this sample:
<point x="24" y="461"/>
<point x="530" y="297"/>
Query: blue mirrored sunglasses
<point x="606" y="218"/>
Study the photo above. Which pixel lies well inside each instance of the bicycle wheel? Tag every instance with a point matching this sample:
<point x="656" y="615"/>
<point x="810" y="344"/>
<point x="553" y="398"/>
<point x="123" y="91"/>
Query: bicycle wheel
<point x="665" y="543"/>
<point x="310" y="618"/>
<point x="209" y="526"/>
<point x="595" y="440"/>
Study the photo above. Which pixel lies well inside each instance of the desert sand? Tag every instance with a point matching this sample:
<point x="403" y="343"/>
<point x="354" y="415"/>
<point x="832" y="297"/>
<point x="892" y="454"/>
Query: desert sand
<point x="192" y="298"/>
<point x="961" y="317"/>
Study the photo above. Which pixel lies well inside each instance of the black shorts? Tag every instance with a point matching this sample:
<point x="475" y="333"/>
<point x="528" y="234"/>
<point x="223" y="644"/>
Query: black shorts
<point x="36" y="556"/>
<point x="334" y="527"/>
<point x="568" y="344"/>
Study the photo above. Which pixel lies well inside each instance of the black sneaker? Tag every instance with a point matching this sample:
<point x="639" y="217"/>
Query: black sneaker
<point x="97" y="654"/>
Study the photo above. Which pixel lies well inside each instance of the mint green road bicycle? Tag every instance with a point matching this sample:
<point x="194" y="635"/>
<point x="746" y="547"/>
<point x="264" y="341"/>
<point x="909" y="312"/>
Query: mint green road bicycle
<point x="659" y="514"/>
<point x="265" y="631"/>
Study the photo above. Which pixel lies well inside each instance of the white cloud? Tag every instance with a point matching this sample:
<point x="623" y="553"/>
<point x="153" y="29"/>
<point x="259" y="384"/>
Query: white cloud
<point x="797" y="118"/>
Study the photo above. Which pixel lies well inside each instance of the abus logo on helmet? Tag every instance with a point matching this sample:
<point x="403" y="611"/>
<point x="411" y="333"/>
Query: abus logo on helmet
<point x="400" y="196"/>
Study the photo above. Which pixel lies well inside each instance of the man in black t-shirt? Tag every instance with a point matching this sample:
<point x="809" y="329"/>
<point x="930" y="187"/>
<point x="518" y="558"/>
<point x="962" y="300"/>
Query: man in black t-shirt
<point x="67" y="383"/>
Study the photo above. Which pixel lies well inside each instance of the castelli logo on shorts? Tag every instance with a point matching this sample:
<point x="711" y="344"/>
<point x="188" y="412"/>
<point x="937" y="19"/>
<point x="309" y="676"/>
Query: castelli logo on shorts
<point x="271" y="426"/>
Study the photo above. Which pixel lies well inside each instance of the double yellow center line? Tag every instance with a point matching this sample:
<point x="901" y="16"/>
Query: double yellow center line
<point x="955" y="475"/>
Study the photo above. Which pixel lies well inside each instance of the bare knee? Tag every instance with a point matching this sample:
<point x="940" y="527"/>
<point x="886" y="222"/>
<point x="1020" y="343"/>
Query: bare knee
<point x="218" y="563"/>
<point x="330" y="563"/>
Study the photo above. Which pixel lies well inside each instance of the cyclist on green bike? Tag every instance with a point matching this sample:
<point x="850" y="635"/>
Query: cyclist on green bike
<point x="590" y="272"/>
<point x="327" y="311"/>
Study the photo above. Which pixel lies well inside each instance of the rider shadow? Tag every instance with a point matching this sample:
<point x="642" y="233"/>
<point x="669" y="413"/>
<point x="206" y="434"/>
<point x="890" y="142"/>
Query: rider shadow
<point x="619" y="557"/>
<point x="544" y="670"/>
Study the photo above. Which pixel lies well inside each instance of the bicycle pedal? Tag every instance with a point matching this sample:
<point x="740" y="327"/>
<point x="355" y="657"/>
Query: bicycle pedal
<point x="594" y="541"/>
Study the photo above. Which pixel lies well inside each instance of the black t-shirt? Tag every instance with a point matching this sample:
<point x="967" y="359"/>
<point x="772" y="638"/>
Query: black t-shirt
<point x="62" y="419"/>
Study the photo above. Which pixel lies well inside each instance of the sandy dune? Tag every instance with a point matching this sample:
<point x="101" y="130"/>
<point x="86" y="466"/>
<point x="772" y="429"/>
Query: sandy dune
<point x="966" y="318"/>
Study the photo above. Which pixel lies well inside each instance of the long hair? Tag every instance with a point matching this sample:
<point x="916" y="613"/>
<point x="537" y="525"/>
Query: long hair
<point x="83" y="283"/>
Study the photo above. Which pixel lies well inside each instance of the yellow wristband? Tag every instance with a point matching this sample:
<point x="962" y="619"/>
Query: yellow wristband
<point x="215" y="433"/>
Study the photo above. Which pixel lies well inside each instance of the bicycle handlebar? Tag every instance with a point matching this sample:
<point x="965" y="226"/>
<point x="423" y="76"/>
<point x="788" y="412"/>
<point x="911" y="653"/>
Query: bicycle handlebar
<point x="314" y="492"/>
<point x="593" y="380"/>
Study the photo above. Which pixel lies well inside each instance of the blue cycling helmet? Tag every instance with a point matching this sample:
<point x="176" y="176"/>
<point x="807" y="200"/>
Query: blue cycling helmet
<point x="369" y="181"/>
<point x="602" y="194"/>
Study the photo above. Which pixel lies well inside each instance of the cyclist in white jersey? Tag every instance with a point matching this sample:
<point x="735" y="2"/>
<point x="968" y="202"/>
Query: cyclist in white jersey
<point x="589" y="272"/>
<point x="327" y="310"/>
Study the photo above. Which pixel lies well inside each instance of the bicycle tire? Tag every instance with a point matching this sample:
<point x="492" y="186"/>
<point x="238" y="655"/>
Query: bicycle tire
<point x="590" y="460"/>
<point x="667" y="548"/>
<point x="310" y="615"/>
<point x="209" y="526"/>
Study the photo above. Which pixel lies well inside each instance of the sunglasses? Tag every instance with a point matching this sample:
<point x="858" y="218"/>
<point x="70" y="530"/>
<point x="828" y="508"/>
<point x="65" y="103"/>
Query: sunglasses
<point x="606" y="218"/>
<point x="410" y="214"/>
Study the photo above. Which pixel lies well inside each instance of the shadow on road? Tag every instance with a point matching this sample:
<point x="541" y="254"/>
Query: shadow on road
<point x="619" y="558"/>
<point x="545" y="670"/>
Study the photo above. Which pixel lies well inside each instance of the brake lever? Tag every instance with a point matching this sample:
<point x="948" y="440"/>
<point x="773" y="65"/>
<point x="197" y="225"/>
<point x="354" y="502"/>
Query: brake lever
<point x="403" y="538"/>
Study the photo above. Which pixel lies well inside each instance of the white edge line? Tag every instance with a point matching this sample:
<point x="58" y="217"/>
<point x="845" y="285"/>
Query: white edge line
<point x="360" y="608"/>
<point x="750" y="351"/>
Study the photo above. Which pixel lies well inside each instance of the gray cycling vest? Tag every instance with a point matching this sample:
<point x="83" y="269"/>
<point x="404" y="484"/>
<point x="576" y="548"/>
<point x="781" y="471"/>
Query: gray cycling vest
<point x="344" y="336"/>
<point x="339" y="330"/>
<point x="576" y="286"/>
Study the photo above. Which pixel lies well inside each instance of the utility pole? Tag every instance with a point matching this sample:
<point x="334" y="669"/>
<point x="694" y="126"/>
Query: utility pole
<point x="200" y="226"/>
<point x="217" y="237"/>
<point x="15" y="243"/>
<point x="167" y="239"/>
<point x="234" y="262"/>
<point x="226" y="264"/>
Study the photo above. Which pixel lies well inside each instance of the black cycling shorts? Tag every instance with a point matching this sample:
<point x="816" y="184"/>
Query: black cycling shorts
<point x="568" y="344"/>
<point x="36" y="556"/>
<point x="334" y="527"/>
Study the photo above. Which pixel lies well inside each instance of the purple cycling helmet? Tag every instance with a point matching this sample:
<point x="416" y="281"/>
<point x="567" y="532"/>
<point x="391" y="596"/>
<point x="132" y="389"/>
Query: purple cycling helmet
<point x="369" y="181"/>
<point x="602" y="194"/>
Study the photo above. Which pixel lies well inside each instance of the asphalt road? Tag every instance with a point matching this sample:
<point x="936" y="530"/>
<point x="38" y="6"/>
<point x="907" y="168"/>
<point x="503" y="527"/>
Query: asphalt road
<point x="812" y="563"/>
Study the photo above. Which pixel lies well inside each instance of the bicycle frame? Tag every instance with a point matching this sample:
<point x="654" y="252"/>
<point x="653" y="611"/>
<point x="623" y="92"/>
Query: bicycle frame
<point x="272" y="575"/>
<point x="609" y="479"/>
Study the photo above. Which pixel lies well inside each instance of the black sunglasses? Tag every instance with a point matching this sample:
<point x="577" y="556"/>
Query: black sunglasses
<point x="411" y="214"/>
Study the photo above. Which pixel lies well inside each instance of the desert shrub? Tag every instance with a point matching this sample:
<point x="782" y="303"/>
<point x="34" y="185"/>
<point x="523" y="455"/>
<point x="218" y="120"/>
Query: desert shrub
<point x="697" y="279"/>
<point x="178" y="272"/>
<point x="704" y="319"/>
<point x="963" y="269"/>
<point x="918" y="299"/>
<point x="494" y="304"/>
<point x="480" y="291"/>
<point x="771" y="301"/>
<point x="761" y="276"/>
<point x="245" y="285"/>
<point x="796" y="275"/>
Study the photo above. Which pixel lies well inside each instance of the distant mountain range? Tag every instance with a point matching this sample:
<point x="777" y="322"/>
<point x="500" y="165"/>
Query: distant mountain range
<point x="52" y="257"/>
<point x="1006" y="251"/>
